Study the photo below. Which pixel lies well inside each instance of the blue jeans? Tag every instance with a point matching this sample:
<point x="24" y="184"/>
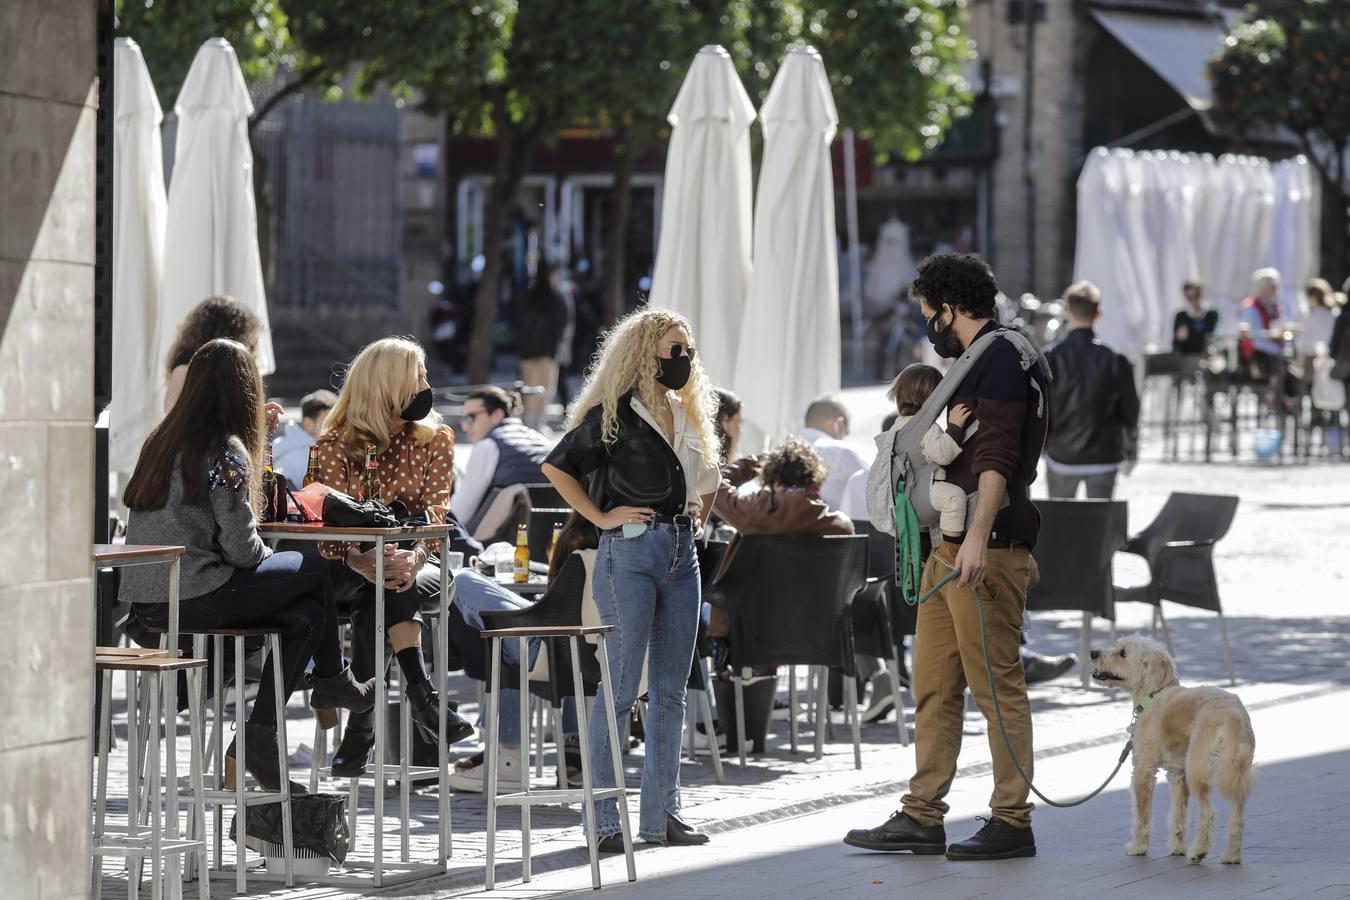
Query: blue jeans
<point x="647" y="587"/>
<point x="475" y="595"/>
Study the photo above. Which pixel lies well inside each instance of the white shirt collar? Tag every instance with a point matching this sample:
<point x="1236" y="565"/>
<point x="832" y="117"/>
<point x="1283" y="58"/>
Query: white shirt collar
<point x="681" y="420"/>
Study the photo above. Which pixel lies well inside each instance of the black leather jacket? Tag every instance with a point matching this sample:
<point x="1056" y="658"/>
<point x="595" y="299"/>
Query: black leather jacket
<point x="1094" y="406"/>
<point x="637" y="469"/>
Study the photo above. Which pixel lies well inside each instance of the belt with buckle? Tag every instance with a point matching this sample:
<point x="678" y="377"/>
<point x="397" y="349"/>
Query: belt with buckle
<point x="994" y="543"/>
<point x="679" y="521"/>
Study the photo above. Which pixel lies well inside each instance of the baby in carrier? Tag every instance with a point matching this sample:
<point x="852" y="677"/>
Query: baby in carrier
<point x="940" y="446"/>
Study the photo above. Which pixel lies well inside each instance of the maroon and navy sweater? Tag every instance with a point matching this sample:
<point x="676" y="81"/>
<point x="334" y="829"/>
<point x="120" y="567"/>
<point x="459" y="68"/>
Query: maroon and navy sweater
<point x="1010" y="436"/>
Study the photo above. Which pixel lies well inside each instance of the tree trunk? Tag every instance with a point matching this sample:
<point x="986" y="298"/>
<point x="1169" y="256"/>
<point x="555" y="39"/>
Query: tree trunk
<point x="616" y="235"/>
<point x="513" y="152"/>
<point x="1335" y="224"/>
<point x="1335" y="197"/>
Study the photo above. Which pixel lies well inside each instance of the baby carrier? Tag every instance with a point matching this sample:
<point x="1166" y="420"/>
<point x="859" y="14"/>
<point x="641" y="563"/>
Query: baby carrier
<point x="900" y="477"/>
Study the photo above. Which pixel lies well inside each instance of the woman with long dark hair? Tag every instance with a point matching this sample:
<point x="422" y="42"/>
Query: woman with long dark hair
<point x="641" y="464"/>
<point x="197" y="484"/>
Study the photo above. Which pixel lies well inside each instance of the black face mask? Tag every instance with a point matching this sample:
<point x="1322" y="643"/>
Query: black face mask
<point x="945" y="342"/>
<point x="674" y="372"/>
<point x="419" y="408"/>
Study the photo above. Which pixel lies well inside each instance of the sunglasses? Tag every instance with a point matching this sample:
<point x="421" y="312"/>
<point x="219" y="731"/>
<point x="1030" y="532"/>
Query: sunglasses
<point x="677" y="350"/>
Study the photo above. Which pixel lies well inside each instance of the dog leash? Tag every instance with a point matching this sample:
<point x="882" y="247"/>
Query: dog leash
<point x="998" y="711"/>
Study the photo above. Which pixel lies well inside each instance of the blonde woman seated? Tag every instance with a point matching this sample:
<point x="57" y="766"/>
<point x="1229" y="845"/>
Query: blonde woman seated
<point x="386" y="402"/>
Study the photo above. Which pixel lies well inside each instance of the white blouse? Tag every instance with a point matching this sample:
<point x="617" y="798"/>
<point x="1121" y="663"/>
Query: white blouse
<point x="702" y="475"/>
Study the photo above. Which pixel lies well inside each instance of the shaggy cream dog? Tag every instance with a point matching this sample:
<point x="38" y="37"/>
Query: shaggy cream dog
<point x="1201" y="736"/>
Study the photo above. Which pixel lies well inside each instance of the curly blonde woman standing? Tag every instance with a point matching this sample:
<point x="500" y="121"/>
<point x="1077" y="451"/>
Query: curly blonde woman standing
<point x="641" y="463"/>
<point x="386" y="403"/>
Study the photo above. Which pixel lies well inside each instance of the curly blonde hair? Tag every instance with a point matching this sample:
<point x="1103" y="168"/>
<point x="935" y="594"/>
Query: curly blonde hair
<point x="380" y="383"/>
<point x="626" y="361"/>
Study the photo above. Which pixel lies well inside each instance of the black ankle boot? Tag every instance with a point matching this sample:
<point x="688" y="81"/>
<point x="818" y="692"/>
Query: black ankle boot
<point x="260" y="745"/>
<point x="351" y="756"/>
<point x="426" y="709"/>
<point x="343" y="691"/>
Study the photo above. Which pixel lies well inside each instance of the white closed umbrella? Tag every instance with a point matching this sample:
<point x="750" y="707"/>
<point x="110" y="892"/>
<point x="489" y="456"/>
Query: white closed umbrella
<point x="703" y="258"/>
<point x="212" y="243"/>
<point x="139" y="210"/>
<point x="789" y="346"/>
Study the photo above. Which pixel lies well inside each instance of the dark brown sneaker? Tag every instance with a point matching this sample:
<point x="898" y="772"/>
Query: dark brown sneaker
<point x="900" y="833"/>
<point x="996" y="840"/>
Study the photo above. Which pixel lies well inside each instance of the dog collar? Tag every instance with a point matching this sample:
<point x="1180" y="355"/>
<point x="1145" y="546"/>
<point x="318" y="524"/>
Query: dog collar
<point x="1147" y="699"/>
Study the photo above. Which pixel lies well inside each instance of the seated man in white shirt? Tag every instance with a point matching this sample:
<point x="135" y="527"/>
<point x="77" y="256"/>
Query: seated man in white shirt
<point x="290" y="449"/>
<point x="505" y="452"/>
<point x="826" y="427"/>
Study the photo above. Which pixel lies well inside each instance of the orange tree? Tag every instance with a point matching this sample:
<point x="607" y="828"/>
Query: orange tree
<point x="1287" y="64"/>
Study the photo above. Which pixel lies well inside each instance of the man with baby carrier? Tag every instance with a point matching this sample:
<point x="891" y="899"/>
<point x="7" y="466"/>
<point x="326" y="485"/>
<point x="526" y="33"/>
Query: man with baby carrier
<point x="1001" y="381"/>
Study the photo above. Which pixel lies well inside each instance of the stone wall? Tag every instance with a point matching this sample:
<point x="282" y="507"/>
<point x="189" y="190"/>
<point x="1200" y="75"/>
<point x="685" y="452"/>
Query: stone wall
<point x="1056" y="145"/>
<point x="47" y="102"/>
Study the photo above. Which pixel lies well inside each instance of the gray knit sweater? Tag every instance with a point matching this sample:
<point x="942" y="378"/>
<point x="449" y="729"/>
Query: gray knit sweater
<point x="220" y="537"/>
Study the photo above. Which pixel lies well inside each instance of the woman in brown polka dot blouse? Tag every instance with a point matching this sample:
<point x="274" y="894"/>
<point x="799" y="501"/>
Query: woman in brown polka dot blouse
<point x="386" y="402"/>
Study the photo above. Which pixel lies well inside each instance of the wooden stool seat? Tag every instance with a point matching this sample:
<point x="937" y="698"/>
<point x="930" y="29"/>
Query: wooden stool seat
<point x="541" y="631"/>
<point x="146" y="663"/>
<point x="129" y="651"/>
<point x="250" y="631"/>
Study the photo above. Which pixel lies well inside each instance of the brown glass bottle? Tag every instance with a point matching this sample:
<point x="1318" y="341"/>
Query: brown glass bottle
<point x="371" y="482"/>
<point x="312" y="469"/>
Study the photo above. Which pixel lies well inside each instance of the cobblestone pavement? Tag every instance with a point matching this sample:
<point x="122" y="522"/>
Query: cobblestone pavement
<point x="1283" y="573"/>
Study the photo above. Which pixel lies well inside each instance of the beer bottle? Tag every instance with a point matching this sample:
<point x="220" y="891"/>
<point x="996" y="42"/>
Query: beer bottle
<point x="312" y="470"/>
<point x="521" y="569"/>
<point x="553" y="542"/>
<point x="371" y="483"/>
<point x="274" y="505"/>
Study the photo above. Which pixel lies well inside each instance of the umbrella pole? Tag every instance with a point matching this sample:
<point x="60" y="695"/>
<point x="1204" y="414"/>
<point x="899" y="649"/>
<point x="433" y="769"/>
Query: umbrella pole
<point x="854" y="251"/>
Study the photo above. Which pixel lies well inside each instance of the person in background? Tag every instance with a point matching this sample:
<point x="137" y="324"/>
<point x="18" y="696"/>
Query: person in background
<point x="855" y="492"/>
<point x="1094" y="431"/>
<point x="1320" y="320"/>
<point x="214" y="317"/>
<point x="1196" y="324"/>
<point x="541" y="317"/>
<point x="642" y="439"/>
<point x="505" y="452"/>
<point x="826" y="427"/>
<point x="386" y="404"/>
<point x="1339" y="347"/>
<point x="198" y="483"/>
<point x="290" y="449"/>
<point x="728" y="422"/>
<point x="1258" y="315"/>
<point x="787" y="501"/>
<point x="476" y="594"/>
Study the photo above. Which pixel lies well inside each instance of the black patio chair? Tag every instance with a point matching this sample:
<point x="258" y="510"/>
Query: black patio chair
<point x="1179" y="548"/>
<point x="875" y="633"/>
<point x="1077" y="541"/>
<point x="790" y="601"/>
<point x="540" y="529"/>
<point x="881" y="564"/>
<point x="559" y="605"/>
<point x="545" y="496"/>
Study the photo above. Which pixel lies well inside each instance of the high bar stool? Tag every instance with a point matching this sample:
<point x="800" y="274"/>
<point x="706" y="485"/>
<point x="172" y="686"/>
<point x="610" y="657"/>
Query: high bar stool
<point x="162" y="842"/>
<point x="218" y="796"/>
<point x="526" y="798"/>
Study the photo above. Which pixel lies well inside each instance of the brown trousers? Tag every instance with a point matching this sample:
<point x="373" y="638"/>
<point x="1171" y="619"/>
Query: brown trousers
<point x="948" y="656"/>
